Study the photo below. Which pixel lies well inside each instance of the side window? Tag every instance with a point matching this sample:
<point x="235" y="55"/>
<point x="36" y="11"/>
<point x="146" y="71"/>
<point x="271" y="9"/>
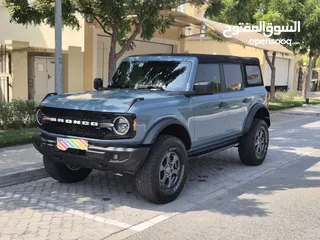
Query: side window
<point x="253" y="75"/>
<point x="233" y="77"/>
<point x="209" y="73"/>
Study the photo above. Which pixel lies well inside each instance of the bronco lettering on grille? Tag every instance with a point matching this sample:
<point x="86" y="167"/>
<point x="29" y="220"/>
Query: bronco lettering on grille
<point x="70" y="121"/>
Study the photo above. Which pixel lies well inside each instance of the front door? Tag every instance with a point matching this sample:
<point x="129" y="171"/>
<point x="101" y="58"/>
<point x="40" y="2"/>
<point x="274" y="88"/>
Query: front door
<point x="209" y="118"/>
<point x="44" y="77"/>
<point x="51" y="79"/>
<point x="40" y="78"/>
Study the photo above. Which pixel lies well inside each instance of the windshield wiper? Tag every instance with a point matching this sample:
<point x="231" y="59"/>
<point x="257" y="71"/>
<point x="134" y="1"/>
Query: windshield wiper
<point x="152" y="88"/>
<point x="119" y="86"/>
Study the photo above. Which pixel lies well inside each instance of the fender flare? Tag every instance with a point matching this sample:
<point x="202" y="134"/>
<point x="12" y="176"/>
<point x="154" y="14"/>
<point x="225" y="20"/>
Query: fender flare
<point x="154" y="131"/>
<point x="252" y="113"/>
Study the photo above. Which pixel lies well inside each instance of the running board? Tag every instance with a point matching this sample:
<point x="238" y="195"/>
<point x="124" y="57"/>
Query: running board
<point x="213" y="149"/>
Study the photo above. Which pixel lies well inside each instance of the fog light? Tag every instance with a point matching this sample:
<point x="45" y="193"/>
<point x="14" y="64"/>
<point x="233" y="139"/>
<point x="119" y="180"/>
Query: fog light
<point x="115" y="156"/>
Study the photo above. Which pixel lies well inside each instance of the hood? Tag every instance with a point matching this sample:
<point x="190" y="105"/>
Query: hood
<point x="102" y="101"/>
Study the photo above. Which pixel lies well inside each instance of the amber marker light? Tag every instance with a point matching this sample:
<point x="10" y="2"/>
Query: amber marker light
<point x="134" y="125"/>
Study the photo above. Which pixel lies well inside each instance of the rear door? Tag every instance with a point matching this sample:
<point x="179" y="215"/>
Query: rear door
<point x="235" y="101"/>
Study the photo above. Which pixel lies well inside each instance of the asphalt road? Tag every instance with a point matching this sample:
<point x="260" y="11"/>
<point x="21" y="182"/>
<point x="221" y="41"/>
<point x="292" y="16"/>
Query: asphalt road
<point x="284" y="204"/>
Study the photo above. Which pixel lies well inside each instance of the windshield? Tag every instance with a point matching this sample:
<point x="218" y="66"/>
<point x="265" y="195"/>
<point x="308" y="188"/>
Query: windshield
<point x="152" y="75"/>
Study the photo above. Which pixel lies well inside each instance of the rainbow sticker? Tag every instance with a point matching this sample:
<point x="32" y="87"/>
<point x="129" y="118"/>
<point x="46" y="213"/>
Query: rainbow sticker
<point x="63" y="144"/>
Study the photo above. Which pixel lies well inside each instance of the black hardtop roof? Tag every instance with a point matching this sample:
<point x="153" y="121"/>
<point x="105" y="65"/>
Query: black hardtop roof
<point x="210" y="58"/>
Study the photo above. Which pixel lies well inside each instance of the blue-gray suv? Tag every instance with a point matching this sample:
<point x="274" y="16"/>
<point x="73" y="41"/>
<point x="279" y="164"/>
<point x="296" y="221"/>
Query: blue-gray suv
<point x="152" y="116"/>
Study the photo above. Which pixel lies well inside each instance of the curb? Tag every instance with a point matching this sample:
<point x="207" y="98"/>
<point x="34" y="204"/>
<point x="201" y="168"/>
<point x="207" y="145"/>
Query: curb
<point x="23" y="175"/>
<point x="312" y="114"/>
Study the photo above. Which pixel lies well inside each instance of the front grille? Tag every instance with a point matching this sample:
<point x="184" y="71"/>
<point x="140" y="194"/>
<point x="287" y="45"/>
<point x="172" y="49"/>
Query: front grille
<point x="80" y="130"/>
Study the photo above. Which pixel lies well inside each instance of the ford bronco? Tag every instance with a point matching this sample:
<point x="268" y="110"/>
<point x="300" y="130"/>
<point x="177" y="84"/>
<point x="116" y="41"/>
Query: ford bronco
<point x="152" y="116"/>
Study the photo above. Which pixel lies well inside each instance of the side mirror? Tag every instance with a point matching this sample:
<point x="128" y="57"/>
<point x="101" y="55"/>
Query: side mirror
<point x="97" y="84"/>
<point x="204" y="88"/>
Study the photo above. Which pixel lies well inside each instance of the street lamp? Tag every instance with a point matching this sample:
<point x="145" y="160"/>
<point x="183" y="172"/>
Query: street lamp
<point x="58" y="46"/>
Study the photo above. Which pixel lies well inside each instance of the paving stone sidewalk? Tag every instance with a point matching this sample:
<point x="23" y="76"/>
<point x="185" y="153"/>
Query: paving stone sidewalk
<point x="107" y="205"/>
<point x="13" y="159"/>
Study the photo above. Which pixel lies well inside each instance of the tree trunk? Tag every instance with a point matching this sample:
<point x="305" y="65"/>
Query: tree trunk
<point x="273" y="74"/>
<point x="304" y="83"/>
<point x="113" y="54"/>
<point x="314" y="61"/>
<point x="307" y="77"/>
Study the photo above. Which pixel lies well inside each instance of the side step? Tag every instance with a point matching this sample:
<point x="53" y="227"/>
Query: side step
<point x="213" y="149"/>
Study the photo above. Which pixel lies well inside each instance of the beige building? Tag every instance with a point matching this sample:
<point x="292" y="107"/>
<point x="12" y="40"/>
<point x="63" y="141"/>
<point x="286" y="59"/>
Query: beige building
<point x="85" y="53"/>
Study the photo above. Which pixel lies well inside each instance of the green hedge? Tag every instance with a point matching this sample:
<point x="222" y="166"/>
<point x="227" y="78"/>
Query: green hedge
<point x="285" y="96"/>
<point x="17" y="114"/>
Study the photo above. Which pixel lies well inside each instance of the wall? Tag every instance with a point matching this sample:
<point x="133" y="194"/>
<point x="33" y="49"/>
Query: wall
<point x="88" y="57"/>
<point x="75" y="74"/>
<point x="19" y="69"/>
<point x="172" y="33"/>
<point x="65" y="72"/>
<point x="38" y="36"/>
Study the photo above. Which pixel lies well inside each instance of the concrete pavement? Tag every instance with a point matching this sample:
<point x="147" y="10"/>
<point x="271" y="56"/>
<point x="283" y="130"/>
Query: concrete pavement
<point x="20" y="164"/>
<point x="106" y="205"/>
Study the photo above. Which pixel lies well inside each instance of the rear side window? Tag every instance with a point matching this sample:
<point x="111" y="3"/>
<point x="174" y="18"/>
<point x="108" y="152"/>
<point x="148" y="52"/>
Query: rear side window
<point x="253" y="75"/>
<point x="209" y="73"/>
<point x="233" y="77"/>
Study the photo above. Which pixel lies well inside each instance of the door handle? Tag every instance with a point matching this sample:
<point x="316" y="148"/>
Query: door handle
<point x="223" y="104"/>
<point x="246" y="100"/>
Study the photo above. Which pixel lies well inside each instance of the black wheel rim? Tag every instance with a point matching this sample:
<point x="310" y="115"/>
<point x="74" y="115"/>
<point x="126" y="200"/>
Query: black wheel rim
<point x="169" y="170"/>
<point x="260" y="143"/>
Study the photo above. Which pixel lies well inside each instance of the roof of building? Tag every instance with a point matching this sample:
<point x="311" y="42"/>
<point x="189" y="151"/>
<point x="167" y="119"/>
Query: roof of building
<point x="244" y="39"/>
<point x="210" y="58"/>
<point x="247" y="38"/>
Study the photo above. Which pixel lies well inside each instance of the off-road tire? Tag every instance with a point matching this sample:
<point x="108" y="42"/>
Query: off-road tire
<point x="147" y="178"/>
<point x="62" y="173"/>
<point x="247" y="150"/>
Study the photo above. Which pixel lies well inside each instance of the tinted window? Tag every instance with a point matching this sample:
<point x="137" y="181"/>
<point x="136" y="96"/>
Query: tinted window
<point x="233" y="77"/>
<point x="169" y="75"/>
<point x="253" y="75"/>
<point x="209" y="73"/>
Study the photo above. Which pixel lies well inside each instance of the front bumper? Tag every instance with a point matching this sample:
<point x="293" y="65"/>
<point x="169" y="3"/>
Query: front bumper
<point x="96" y="157"/>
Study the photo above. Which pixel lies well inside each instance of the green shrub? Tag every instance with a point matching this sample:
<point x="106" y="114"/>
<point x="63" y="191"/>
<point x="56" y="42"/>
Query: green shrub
<point x="285" y="96"/>
<point x="17" y="114"/>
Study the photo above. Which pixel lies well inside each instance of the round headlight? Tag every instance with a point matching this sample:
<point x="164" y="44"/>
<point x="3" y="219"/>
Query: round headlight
<point x="121" y="126"/>
<point x="40" y="117"/>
